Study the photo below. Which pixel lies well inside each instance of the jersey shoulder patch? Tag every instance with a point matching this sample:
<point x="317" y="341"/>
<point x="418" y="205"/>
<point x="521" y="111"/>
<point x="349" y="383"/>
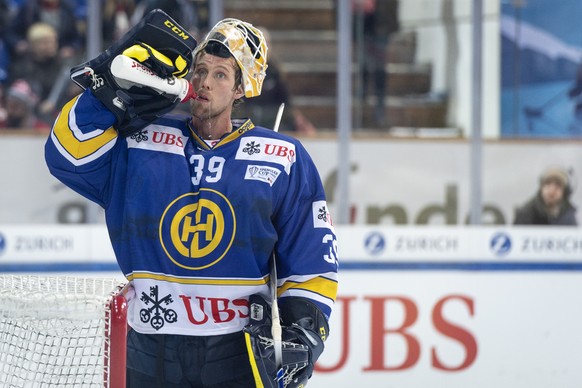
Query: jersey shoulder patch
<point x="159" y="137"/>
<point x="267" y="149"/>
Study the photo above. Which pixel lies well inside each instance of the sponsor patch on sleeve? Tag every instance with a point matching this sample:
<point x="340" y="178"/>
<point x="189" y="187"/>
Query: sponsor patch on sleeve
<point x="321" y="215"/>
<point x="159" y="138"/>
<point x="262" y="173"/>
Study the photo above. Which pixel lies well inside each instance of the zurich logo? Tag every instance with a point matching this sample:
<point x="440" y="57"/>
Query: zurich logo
<point x="500" y="244"/>
<point x="375" y="243"/>
<point x="2" y="243"/>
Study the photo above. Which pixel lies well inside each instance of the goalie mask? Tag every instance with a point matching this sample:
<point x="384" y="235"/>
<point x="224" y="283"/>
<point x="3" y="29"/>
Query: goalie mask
<point x="247" y="45"/>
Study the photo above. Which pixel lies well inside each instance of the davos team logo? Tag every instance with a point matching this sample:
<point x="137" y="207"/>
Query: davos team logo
<point x="500" y="244"/>
<point x="375" y="243"/>
<point x="197" y="229"/>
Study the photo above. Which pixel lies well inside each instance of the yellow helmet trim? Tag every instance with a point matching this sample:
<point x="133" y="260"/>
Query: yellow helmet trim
<point x="247" y="45"/>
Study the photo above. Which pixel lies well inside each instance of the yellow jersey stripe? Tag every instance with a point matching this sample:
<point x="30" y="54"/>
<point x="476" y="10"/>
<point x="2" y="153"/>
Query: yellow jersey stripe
<point x="199" y="281"/>
<point x="75" y="147"/>
<point x="319" y="285"/>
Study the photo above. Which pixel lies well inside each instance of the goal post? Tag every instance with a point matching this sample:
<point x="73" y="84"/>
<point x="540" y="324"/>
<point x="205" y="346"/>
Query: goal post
<point x="62" y="331"/>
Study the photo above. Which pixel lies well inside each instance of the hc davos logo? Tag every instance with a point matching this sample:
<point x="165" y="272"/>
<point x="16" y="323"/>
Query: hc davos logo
<point x="375" y="243"/>
<point x="197" y="229"/>
<point x="500" y="244"/>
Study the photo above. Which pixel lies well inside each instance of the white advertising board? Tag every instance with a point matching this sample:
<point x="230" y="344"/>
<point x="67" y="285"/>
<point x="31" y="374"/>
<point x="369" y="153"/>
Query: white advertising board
<point x="393" y="181"/>
<point x="454" y="329"/>
<point x="489" y="245"/>
<point x="449" y="307"/>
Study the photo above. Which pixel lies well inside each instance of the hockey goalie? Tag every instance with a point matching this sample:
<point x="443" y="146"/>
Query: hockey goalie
<point x="221" y="227"/>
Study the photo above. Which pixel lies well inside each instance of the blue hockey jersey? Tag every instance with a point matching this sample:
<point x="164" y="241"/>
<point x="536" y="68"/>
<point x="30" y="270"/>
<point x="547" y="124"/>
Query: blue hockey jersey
<point x="194" y="225"/>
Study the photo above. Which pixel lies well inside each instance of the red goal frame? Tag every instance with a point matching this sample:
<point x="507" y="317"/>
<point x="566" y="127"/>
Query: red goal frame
<point x="116" y="341"/>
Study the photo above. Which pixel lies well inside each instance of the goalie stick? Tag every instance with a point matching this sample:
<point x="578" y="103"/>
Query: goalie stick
<point x="276" y="330"/>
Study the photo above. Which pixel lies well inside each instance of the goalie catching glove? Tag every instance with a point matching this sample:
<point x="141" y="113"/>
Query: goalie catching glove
<point x="163" y="51"/>
<point x="304" y="331"/>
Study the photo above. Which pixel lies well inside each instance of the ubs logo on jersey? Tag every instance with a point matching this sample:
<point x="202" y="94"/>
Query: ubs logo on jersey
<point x="197" y="229"/>
<point x="264" y="149"/>
<point x="156" y="312"/>
<point x="159" y="138"/>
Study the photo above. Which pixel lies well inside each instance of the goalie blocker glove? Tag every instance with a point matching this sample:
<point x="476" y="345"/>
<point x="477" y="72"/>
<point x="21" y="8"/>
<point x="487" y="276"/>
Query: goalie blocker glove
<point x="304" y="331"/>
<point x="157" y="42"/>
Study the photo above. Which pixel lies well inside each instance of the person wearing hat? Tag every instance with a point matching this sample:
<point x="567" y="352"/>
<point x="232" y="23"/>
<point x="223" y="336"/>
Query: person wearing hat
<point x="21" y="101"/>
<point x="551" y="205"/>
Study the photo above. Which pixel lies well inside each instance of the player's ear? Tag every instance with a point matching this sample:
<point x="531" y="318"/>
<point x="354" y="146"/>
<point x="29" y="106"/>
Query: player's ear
<point x="239" y="92"/>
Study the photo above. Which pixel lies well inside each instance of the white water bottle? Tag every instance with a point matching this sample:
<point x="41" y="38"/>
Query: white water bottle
<point x="129" y="72"/>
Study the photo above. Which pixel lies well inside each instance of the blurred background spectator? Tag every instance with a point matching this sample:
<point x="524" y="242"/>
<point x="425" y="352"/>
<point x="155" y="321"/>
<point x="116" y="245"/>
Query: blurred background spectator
<point x="551" y="205"/>
<point x="3" y="112"/>
<point x="60" y="14"/>
<point x="116" y="19"/>
<point x="43" y="68"/>
<point x="4" y="54"/>
<point x="20" y="104"/>
<point x="4" y="62"/>
<point x="186" y="12"/>
<point x="375" y="21"/>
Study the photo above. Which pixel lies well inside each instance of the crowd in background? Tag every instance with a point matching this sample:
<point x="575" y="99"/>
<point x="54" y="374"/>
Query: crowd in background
<point x="40" y="40"/>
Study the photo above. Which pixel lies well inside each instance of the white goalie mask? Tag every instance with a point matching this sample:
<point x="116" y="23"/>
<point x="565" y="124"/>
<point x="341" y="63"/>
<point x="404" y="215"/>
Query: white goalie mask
<point x="247" y="45"/>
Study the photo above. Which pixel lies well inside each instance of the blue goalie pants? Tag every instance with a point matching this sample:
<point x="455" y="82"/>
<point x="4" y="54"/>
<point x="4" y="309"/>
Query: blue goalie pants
<point x="172" y="361"/>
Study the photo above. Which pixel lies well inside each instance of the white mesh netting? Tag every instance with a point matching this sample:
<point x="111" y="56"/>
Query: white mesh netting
<point x="53" y="330"/>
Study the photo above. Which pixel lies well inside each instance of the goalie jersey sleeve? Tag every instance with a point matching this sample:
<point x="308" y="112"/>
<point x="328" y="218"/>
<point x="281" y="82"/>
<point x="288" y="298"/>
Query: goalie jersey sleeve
<point x="193" y="225"/>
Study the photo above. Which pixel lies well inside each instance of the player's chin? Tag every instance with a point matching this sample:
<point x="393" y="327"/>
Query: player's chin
<point x="197" y="109"/>
<point x="202" y="114"/>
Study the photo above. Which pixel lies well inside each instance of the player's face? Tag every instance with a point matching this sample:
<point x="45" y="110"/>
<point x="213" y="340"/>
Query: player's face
<point x="213" y="80"/>
<point x="552" y="193"/>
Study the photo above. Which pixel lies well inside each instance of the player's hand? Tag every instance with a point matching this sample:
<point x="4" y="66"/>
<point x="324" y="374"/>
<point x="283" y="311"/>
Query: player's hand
<point x="261" y="349"/>
<point x="153" y="42"/>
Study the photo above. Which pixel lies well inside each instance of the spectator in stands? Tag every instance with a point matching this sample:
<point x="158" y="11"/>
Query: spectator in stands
<point x="4" y="62"/>
<point x="116" y="19"/>
<point x="263" y="109"/>
<point x="3" y="111"/>
<point x="43" y="68"/>
<point x="185" y="12"/>
<point x="60" y="14"/>
<point x="4" y="54"/>
<point x="20" y="108"/>
<point x="551" y="205"/>
<point x="375" y="21"/>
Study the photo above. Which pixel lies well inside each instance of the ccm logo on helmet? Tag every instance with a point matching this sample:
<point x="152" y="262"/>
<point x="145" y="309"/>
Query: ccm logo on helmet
<point x="176" y="30"/>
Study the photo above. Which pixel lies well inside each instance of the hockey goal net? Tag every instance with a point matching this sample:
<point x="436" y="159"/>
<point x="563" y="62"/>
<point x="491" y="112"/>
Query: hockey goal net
<point x="62" y="332"/>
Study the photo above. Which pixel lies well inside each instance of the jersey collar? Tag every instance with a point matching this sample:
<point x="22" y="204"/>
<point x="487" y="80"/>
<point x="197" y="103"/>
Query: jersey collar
<point x="239" y="127"/>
